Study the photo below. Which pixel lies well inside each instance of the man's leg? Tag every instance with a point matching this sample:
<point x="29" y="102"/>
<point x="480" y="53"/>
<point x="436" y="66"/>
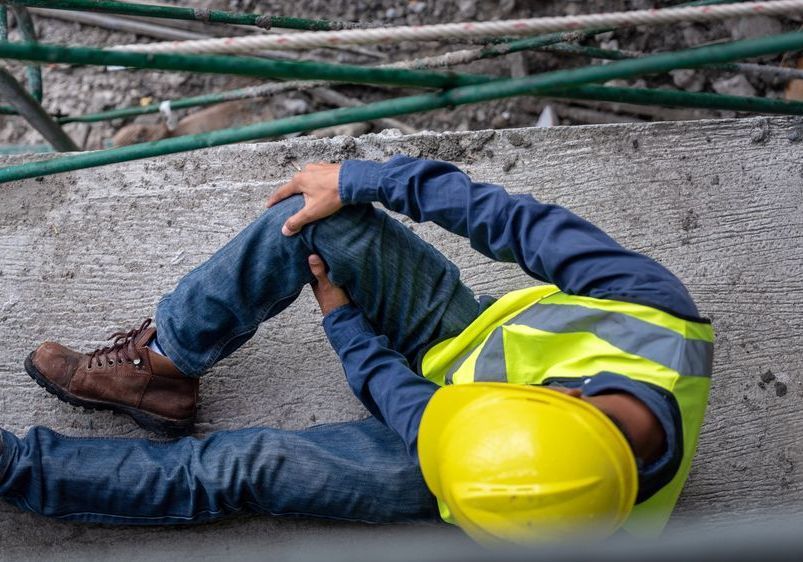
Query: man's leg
<point x="354" y="471"/>
<point x="410" y="292"/>
<point x="406" y="288"/>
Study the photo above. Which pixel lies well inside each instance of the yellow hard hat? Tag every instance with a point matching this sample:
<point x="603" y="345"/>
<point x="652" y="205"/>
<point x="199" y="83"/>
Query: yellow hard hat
<point x="525" y="464"/>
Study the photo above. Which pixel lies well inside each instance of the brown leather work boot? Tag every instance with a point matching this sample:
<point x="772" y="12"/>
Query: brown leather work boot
<point x="125" y="377"/>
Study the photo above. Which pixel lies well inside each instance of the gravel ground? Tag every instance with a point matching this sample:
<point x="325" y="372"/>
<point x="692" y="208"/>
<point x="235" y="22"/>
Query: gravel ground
<point x="76" y="90"/>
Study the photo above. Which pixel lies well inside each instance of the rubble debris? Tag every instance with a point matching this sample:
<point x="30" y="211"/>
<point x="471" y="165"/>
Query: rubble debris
<point x="750" y="28"/>
<point x="736" y="85"/>
<point x="794" y="89"/>
<point x="687" y="79"/>
<point x="221" y="116"/>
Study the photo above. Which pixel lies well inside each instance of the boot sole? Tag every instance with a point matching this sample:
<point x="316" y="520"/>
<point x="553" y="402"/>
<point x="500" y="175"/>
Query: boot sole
<point x="150" y="422"/>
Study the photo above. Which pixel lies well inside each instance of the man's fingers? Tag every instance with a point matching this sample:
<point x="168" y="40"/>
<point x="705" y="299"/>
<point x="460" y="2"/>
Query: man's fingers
<point x="290" y="188"/>
<point x="318" y="268"/>
<point x="295" y="223"/>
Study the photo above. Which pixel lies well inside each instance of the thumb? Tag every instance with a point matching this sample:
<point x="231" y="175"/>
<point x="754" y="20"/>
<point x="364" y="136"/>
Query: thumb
<point x="295" y="223"/>
<point x="318" y="269"/>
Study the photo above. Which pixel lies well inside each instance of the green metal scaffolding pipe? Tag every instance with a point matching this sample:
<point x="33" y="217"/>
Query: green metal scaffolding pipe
<point x="3" y="23"/>
<point x="640" y="96"/>
<point x="241" y="66"/>
<point x="542" y="84"/>
<point x="242" y="93"/>
<point x="400" y="106"/>
<point x="28" y="32"/>
<point x="646" y="97"/>
<point x="651" y="96"/>
<point x="179" y="13"/>
<point x="4" y="109"/>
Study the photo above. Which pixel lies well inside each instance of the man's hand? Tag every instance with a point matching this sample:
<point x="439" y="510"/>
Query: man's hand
<point x="329" y="297"/>
<point x="318" y="183"/>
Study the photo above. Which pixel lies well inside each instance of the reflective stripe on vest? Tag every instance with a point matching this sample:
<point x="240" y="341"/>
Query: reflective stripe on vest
<point x="539" y="333"/>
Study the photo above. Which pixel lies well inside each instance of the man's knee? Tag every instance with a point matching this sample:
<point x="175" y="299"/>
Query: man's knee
<point x="341" y="225"/>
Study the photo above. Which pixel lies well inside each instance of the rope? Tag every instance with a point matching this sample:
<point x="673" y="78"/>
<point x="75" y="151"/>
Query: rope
<point x="776" y="72"/>
<point x="312" y="40"/>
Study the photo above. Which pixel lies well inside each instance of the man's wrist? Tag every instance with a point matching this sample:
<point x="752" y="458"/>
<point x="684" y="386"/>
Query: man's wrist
<point x="358" y="181"/>
<point x="344" y="323"/>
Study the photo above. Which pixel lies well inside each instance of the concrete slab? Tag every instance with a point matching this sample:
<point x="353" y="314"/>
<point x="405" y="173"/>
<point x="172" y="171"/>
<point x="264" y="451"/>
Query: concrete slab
<point x="719" y="202"/>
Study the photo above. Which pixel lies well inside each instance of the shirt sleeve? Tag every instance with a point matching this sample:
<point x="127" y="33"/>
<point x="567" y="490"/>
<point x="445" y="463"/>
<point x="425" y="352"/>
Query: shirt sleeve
<point x="549" y="242"/>
<point x="379" y="376"/>
<point x="658" y="473"/>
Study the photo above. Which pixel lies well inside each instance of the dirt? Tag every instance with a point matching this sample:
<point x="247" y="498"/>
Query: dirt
<point x="77" y="90"/>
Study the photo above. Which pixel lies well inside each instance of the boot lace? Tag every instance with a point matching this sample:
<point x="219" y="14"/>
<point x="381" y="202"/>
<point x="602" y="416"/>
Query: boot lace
<point x="121" y="350"/>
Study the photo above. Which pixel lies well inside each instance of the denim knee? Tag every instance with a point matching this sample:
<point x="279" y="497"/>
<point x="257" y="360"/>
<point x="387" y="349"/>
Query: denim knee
<point x="324" y="233"/>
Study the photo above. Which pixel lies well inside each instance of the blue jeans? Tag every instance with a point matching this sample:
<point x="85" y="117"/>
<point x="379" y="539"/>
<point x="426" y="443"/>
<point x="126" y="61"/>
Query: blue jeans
<point x="355" y="471"/>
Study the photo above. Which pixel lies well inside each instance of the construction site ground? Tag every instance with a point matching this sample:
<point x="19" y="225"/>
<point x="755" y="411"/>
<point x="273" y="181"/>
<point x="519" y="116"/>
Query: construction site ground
<point x="718" y="202"/>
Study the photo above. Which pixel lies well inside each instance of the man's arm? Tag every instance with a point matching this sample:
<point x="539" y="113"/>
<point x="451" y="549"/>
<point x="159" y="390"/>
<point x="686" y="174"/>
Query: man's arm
<point x="549" y="242"/>
<point x="379" y="376"/>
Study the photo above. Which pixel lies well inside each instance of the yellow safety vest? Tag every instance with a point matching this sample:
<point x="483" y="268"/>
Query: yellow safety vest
<point x="539" y="333"/>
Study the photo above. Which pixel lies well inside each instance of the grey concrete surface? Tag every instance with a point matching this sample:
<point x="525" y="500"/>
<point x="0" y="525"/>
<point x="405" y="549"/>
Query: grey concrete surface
<point x="719" y="202"/>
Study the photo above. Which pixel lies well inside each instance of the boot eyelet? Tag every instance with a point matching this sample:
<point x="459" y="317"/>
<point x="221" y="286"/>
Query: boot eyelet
<point x="110" y="363"/>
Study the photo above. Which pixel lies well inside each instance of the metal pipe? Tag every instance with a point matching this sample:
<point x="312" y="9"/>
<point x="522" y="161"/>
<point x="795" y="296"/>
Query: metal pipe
<point x="141" y="26"/>
<point x="28" y="32"/>
<point x="337" y="99"/>
<point x="3" y="22"/>
<point x="779" y="72"/>
<point x="242" y="66"/>
<point x="368" y="112"/>
<point x="263" y="90"/>
<point x="5" y="110"/>
<point x="29" y="108"/>
<point x="650" y="96"/>
<point x="119" y="24"/>
<point x="197" y="14"/>
<point x="543" y="84"/>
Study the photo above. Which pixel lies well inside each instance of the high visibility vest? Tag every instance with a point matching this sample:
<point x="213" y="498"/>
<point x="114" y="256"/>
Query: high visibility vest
<point x="538" y="334"/>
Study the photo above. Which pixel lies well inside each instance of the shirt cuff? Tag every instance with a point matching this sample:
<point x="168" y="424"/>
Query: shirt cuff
<point x="359" y="181"/>
<point x="344" y="323"/>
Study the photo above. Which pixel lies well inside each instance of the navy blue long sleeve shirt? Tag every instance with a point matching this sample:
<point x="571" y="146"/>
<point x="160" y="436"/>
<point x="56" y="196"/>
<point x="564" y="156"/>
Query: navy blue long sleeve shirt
<point x="549" y="243"/>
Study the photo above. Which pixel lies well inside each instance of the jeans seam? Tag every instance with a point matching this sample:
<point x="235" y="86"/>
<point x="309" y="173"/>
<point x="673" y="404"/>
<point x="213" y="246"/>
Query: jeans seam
<point x="229" y="509"/>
